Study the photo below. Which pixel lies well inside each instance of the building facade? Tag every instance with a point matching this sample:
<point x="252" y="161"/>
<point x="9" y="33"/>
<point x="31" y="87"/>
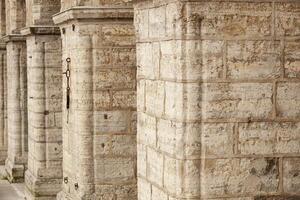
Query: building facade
<point x="151" y="99"/>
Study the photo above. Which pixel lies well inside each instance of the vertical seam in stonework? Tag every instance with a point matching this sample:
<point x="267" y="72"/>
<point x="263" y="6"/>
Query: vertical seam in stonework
<point x="2" y="101"/>
<point x="45" y="101"/>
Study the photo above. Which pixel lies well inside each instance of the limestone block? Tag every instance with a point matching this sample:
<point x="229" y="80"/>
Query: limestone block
<point x="287" y="19"/>
<point x="288" y="99"/>
<point x="155" y="167"/>
<point x="158" y="194"/>
<point x="144" y="189"/>
<point x="217" y="139"/>
<point x="243" y="176"/>
<point x="146" y="129"/>
<point x="292" y="59"/>
<point x="237" y="19"/>
<point x="110" y="170"/>
<point x="146" y="57"/>
<point x="183" y="101"/>
<point x="141" y="22"/>
<point x="142" y="160"/>
<point x="111" y="121"/>
<point x="155" y="91"/>
<point x="118" y="35"/>
<point x="102" y="100"/>
<point x="124" y="99"/>
<point x="115" y="145"/>
<point x="115" y="79"/>
<point x="140" y="96"/>
<point x="269" y="138"/>
<point x="157" y="20"/>
<point x="212" y="52"/>
<point x="291" y="181"/>
<point x="237" y="100"/>
<point x="253" y="59"/>
<point x="173" y="177"/>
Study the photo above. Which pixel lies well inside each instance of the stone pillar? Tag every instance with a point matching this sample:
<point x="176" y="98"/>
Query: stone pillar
<point x="99" y="159"/>
<point x="218" y="92"/>
<point x="44" y="175"/>
<point x="3" y="112"/>
<point x="16" y="161"/>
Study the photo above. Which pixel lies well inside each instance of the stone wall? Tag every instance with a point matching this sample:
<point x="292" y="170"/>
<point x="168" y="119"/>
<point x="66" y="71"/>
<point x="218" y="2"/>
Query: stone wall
<point x="217" y="99"/>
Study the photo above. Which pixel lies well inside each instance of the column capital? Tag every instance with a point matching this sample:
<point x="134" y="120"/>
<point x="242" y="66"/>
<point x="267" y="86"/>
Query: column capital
<point x="93" y="13"/>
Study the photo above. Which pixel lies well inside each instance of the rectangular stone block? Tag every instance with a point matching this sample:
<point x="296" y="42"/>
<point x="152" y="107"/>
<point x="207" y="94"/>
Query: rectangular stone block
<point x="292" y="59"/>
<point x="237" y="177"/>
<point x="146" y="59"/>
<point x="237" y="100"/>
<point x="155" y="95"/>
<point x="254" y="59"/>
<point x="217" y="139"/>
<point x="212" y="64"/>
<point x="291" y="173"/>
<point x="288" y="99"/>
<point x="183" y="101"/>
<point x="114" y="79"/>
<point x="110" y="170"/>
<point x="287" y="19"/>
<point x="146" y="129"/>
<point x="158" y="194"/>
<point x="155" y="167"/>
<point x="157" y="20"/>
<point x="142" y="160"/>
<point x="111" y="121"/>
<point x="144" y="189"/>
<point x="141" y="22"/>
<point x="124" y="99"/>
<point x="115" y="145"/>
<point x="263" y="138"/>
<point x="237" y="19"/>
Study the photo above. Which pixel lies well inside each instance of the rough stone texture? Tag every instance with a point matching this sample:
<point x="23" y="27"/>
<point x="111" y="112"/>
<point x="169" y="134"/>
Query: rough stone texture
<point x="99" y="129"/>
<point x="17" y="123"/>
<point x="199" y="101"/>
<point x="217" y="99"/>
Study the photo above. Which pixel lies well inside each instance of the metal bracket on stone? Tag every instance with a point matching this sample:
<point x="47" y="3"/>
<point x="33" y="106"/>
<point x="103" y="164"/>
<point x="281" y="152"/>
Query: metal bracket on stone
<point x="76" y="186"/>
<point x="68" y="74"/>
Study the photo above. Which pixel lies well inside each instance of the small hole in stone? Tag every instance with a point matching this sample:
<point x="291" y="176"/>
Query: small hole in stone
<point x="102" y="145"/>
<point x="73" y="27"/>
<point x="105" y="116"/>
<point x="46" y="112"/>
<point x="63" y="30"/>
<point x="55" y="149"/>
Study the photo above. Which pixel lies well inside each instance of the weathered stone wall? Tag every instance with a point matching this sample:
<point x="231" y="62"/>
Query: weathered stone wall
<point x="99" y="128"/>
<point x="44" y="174"/>
<point x="16" y="161"/>
<point x="39" y="13"/>
<point x="218" y="113"/>
<point x="15" y="16"/>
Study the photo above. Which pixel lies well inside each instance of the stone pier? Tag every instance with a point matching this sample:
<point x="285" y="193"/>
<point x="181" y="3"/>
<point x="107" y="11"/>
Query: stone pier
<point x="99" y="130"/>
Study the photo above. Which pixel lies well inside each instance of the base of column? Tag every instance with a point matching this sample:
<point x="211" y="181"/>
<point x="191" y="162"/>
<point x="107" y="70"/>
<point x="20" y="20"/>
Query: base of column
<point x="63" y="196"/>
<point x="15" y="172"/>
<point x="41" y="188"/>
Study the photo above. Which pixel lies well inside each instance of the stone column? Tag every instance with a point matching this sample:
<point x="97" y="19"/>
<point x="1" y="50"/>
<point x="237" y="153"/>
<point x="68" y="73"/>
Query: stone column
<point x="16" y="161"/>
<point x="3" y="112"/>
<point x="44" y="175"/>
<point x="218" y="92"/>
<point x="99" y="128"/>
